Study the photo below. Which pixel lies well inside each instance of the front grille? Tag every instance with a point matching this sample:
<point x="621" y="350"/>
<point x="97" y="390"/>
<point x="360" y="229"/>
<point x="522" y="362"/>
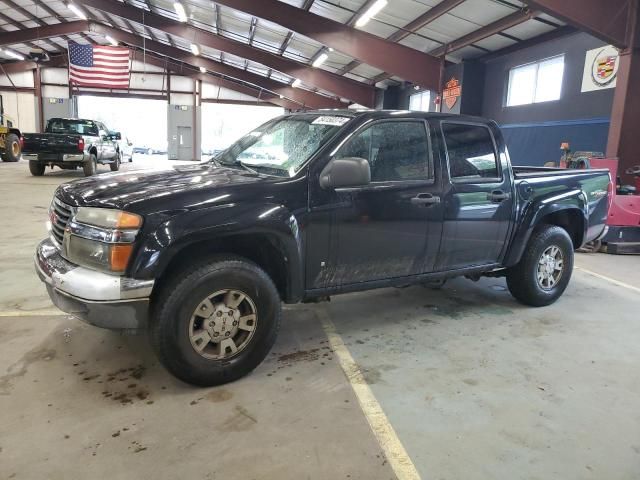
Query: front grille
<point x="59" y="214"/>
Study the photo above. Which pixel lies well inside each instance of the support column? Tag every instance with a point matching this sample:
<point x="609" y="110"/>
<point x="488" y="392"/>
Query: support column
<point x="37" y="83"/>
<point x="625" y="113"/>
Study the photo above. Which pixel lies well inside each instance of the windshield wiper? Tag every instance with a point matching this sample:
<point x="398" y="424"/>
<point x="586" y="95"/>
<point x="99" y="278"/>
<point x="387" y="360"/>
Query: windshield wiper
<point x="235" y="163"/>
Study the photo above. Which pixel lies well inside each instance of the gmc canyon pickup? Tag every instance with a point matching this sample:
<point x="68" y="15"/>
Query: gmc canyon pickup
<point x="306" y="206"/>
<point x="70" y="143"/>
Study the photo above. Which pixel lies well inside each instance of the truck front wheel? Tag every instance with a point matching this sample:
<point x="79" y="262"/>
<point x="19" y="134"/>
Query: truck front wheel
<point x="545" y="268"/>
<point x="36" y="168"/>
<point x="115" y="165"/>
<point x="215" y="322"/>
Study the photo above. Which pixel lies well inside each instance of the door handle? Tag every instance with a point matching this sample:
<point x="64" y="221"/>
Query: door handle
<point x="497" y="196"/>
<point x="425" y="199"/>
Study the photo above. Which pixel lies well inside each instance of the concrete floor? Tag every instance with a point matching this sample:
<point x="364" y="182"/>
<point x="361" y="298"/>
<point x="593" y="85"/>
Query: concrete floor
<point x="474" y="384"/>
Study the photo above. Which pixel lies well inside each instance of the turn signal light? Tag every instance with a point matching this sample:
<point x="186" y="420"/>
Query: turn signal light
<point x="128" y="220"/>
<point x="81" y="145"/>
<point x="119" y="257"/>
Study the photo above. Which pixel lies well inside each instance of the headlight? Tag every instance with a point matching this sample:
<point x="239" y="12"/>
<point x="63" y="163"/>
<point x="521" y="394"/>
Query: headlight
<point x="101" y="238"/>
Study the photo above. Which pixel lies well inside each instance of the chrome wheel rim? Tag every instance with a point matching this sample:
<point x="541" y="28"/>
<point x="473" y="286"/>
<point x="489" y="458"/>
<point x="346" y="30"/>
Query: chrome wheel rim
<point x="15" y="148"/>
<point x="223" y="324"/>
<point x="550" y="267"/>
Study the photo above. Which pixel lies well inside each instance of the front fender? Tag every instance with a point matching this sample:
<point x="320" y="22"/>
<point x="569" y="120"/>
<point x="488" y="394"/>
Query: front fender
<point x="207" y="225"/>
<point x="534" y="213"/>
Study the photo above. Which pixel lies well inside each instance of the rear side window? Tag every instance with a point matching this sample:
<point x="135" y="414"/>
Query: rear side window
<point x="472" y="155"/>
<point x="396" y="151"/>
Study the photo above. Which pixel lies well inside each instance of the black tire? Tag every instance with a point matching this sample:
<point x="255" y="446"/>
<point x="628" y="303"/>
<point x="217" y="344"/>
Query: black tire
<point x="91" y="167"/>
<point x="522" y="279"/>
<point x="12" y="147"/>
<point x="178" y="300"/>
<point x="36" y="168"/>
<point x="115" y="166"/>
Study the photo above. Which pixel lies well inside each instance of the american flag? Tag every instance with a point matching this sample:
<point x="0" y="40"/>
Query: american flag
<point x="98" y="66"/>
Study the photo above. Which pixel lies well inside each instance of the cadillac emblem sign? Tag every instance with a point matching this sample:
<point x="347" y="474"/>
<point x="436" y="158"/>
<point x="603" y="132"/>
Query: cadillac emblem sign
<point x="605" y="67"/>
<point x="600" y="69"/>
<point x="452" y="92"/>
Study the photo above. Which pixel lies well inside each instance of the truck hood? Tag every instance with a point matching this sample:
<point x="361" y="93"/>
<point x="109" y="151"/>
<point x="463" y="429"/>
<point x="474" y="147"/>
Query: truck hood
<point x="136" y="190"/>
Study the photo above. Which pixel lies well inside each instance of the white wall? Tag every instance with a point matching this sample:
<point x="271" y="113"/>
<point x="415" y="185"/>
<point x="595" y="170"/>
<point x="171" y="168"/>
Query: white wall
<point x="21" y="109"/>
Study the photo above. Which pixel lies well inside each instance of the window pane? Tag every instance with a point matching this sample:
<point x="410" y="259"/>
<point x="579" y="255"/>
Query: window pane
<point x="549" y="82"/>
<point x="522" y="84"/>
<point x="420" y="101"/>
<point x="471" y="152"/>
<point x="395" y="151"/>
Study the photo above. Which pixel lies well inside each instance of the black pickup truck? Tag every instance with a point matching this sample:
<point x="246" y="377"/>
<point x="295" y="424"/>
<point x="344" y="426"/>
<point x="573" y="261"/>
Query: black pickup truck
<point x="306" y="206"/>
<point x="70" y="143"/>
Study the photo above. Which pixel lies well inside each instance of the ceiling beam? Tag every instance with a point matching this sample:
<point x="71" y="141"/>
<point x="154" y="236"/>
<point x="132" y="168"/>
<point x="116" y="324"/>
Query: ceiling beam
<point x="304" y="97"/>
<point x="183" y="70"/>
<point x="25" y="13"/>
<point x="498" y="26"/>
<point x="398" y="59"/>
<point x="342" y="87"/>
<point x="55" y="30"/>
<point x="26" y="65"/>
<point x="423" y="20"/>
<point x="605" y="20"/>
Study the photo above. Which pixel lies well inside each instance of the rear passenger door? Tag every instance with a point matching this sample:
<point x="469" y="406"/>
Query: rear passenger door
<point x="478" y="204"/>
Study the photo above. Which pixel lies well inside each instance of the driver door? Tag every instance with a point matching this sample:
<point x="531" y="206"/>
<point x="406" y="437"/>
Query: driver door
<point x="391" y="227"/>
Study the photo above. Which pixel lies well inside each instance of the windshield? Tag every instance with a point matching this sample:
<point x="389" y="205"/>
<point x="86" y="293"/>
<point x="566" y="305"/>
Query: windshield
<point x="282" y="146"/>
<point x="82" y="127"/>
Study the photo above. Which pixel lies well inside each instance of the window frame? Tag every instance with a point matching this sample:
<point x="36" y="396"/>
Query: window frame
<point x="535" y="86"/>
<point x="421" y="94"/>
<point x="496" y="153"/>
<point x="431" y="180"/>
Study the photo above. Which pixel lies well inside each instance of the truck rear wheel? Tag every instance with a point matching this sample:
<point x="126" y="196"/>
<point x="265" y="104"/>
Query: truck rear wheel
<point x="12" y="149"/>
<point x="545" y="269"/>
<point x="91" y="167"/>
<point x="215" y="322"/>
<point x="36" y="168"/>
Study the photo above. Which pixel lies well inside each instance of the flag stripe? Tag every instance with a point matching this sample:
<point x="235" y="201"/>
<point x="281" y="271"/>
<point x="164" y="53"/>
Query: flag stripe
<point x="97" y="70"/>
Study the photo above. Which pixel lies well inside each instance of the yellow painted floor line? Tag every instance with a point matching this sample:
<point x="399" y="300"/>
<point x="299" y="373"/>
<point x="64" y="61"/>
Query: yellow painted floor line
<point x="609" y="279"/>
<point x="397" y="456"/>
<point x="35" y="313"/>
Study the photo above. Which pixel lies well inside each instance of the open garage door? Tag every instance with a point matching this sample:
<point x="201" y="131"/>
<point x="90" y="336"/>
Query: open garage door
<point x="223" y="124"/>
<point x="142" y="122"/>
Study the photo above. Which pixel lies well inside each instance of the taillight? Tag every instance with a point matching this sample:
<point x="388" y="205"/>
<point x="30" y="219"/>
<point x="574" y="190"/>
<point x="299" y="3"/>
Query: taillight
<point x="81" y="144"/>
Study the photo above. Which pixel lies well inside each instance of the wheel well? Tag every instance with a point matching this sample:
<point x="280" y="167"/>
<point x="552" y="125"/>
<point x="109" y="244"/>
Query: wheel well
<point x="94" y="150"/>
<point x="571" y="220"/>
<point x="261" y="249"/>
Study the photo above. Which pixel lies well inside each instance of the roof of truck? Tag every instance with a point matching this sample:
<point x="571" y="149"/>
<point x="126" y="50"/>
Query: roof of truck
<point x="377" y="114"/>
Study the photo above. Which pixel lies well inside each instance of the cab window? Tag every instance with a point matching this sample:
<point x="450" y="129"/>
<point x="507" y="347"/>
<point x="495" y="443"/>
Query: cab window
<point x="395" y="150"/>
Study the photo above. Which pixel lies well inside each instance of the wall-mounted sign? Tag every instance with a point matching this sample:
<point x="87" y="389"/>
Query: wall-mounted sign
<point x="184" y="108"/>
<point x="600" y="69"/>
<point x="452" y="92"/>
<point x="56" y="100"/>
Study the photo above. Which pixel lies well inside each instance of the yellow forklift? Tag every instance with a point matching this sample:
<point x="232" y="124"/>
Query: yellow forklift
<point x="10" y="138"/>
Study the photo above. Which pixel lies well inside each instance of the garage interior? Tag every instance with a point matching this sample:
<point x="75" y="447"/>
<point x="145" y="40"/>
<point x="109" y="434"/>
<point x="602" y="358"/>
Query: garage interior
<point x="452" y="383"/>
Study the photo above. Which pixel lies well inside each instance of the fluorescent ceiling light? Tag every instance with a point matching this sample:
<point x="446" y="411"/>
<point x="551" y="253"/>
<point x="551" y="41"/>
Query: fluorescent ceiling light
<point x="296" y="83"/>
<point x="111" y="40"/>
<point x="76" y="10"/>
<point x="203" y="70"/>
<point x="195" y="49"/>
<point x="330" y="49"/>
<point x="13" y="54"/>
<point x="281" y="97"/>
<point x="182" y="13"/>
<point x="320" y="60"/>
<point x="371" y="11"/>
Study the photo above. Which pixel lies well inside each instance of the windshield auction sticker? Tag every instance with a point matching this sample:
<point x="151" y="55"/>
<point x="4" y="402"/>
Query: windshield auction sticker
<point x="330" y="120"/>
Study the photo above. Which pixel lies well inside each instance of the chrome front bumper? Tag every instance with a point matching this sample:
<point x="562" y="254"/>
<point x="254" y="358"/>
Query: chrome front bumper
<point x="107" y="301"/>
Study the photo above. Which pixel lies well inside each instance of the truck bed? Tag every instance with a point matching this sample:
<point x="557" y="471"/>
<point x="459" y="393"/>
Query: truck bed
<point x="526" y="172"/>
<point x="51" y="143"/>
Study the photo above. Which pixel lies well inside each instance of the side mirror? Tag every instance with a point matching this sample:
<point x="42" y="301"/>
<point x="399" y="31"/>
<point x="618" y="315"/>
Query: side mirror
<point x="346" y="172"/>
